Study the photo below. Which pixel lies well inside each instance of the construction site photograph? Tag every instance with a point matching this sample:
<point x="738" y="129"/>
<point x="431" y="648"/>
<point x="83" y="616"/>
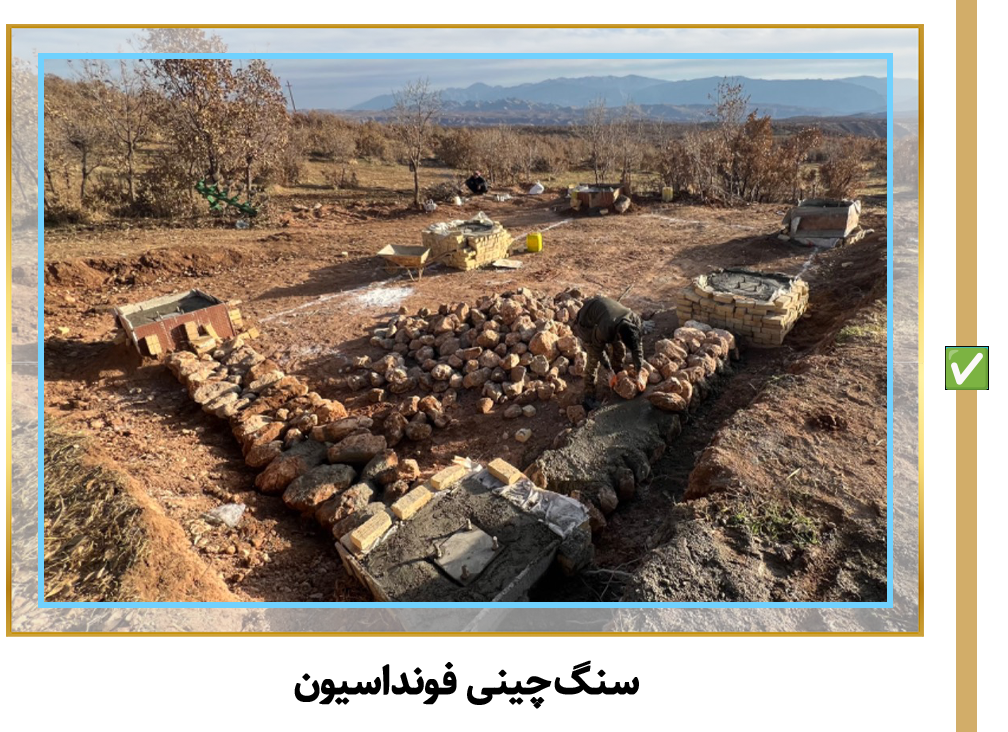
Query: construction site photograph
<point x="592" y="336"/>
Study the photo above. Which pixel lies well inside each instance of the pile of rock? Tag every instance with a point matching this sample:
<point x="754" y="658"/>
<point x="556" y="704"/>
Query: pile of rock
<point x="685" y="363"/>
<point x="514" y="349"/>
<point x="325" y="463"/>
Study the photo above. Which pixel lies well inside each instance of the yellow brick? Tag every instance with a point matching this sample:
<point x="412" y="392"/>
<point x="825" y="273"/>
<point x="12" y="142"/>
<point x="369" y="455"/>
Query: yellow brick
<point x="209" y="330"/>
<point x="204" y="344"/>
<point x="235" y="317"/>
<point x="365" y="535"/>
<point x="252" y="333"/>
<point x="412" y="502"/>
<point x="452" y="474"/>
<point x="153" y="345"/>
<point x="504" y="471"/>
<point x="191" y="330"/>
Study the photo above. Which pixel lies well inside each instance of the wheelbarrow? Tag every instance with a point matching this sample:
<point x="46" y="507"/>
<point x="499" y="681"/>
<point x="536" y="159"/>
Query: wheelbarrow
<point x="403" y="256"/>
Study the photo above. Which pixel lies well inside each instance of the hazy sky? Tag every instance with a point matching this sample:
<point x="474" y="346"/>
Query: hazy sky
<point x="341" y="83"/>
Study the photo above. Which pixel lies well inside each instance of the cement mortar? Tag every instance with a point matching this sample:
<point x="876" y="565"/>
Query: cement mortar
<point x="757" y="285"/>
<point x="624" y="435"/>
<point x="402" y="565"/>
<point x="185" y="304"/>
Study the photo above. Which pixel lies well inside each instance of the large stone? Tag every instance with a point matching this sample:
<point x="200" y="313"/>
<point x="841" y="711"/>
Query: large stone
<point x="272" y="431"/>
<point x="308" y="491"/>
<point x="292" y="464"/>
<point x="394" y="428"/>
<point x="341" y="428"/>
<point x="357" y="449"/>
<point x="667" y="401"/>
<point x="210" y="390"/>
<point x="409" y="469"/>
<point x="568" y="346"/>
<point x="576" y="413"/>
<point x="344" y="504"/>
<point x="418" y="431"/>
<point x="262" y="455"/>
<point x="625" y="387"/>
<point x="539" y="365"/>
<point x="347" y="524"/>
<point x="330" y="410"/>
<point x="544" y="343"/>
<point x="382" y="469"/>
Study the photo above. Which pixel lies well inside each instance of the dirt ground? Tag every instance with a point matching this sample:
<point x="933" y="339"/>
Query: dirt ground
<point x="312" y="284"/>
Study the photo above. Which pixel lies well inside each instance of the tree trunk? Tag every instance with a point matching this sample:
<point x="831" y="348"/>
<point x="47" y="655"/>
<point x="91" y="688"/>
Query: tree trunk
<point x="129" y="171"/>
<point x="248" y="178"/>
<point x="416" y="183"/>
<point x="84" y="173"/>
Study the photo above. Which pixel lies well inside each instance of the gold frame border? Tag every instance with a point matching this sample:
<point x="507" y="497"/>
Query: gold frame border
<point x="966" y="262"/>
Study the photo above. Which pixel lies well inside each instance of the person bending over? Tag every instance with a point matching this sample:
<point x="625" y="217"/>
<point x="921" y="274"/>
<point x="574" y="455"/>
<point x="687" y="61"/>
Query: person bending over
<point x="604" y="325"/>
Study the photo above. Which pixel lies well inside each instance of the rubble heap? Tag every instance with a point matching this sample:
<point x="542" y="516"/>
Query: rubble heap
<point x="515" y="348"/>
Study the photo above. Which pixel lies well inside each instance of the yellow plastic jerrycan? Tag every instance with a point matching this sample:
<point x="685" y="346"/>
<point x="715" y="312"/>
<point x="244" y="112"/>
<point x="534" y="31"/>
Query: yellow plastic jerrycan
<point x="533" y="242"/>
<point x="666" y="194"/>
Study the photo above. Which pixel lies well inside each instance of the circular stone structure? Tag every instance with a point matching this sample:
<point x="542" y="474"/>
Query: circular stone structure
<point x="762" y="307"/>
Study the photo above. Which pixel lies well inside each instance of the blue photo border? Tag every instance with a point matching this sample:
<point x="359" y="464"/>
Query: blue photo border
<point x="888" y="57"/>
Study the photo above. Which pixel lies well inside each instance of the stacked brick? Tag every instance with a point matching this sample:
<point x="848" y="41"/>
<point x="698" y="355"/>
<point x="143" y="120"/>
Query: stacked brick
<point x="324" y="463"/>
<point x="467" y="247"/>
<point x="760" y="322"/>
<point x="515" y="348"/>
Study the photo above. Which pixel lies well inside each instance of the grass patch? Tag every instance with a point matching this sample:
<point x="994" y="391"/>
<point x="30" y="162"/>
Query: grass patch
<point x="92" y="528"/>
<point x="872" y="329"/>
<point x="776" y="522"/>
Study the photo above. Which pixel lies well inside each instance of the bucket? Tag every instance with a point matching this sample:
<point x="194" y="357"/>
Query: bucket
<point x="666" y="194"/>
<point x="533" y="242"/>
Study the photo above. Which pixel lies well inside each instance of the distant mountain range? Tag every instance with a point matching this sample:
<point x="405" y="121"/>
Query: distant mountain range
<point x="672" y="100"/>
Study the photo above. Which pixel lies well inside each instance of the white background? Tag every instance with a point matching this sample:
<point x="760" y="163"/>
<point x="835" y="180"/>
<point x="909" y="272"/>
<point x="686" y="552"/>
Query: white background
<point x="713" y="683"/>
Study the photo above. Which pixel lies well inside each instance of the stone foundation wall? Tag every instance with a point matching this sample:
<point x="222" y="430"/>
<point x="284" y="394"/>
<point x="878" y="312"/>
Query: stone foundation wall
<point x="760" y="322"/>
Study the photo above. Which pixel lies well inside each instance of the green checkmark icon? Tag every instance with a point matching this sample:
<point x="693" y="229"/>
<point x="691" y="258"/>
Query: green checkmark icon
<point x="966" y="368"/>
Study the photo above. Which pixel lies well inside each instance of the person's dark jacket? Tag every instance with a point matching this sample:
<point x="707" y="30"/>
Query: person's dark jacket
<point x="477" y="184"/>
<point x="602" y="321"/>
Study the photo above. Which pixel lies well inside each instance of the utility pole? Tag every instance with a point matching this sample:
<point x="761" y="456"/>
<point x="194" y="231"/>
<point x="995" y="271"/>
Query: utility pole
<point x="291" y="93"/>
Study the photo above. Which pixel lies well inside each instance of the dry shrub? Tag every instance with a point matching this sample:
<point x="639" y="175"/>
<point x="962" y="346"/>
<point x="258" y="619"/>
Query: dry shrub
<point x="843" y="173"/>
<point x="92" y="529"/>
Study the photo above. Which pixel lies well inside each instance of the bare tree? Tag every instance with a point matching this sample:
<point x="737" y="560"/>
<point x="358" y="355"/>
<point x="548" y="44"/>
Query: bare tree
<point x="23" y="108"/>
<point x="629" y="139"/>
<point x="179" y="40"/>
<point x="259" y="115"/>
<point x="125" y="101"/>
<point x="416" y="111"/>
<point x="197" y="94"/>
<point x="599" y="136"/>
<point x="74" y="128"/>
<point x="730" y="103"/>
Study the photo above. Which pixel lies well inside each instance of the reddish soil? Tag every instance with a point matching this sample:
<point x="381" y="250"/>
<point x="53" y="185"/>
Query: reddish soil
<point x="315" y="289"/>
